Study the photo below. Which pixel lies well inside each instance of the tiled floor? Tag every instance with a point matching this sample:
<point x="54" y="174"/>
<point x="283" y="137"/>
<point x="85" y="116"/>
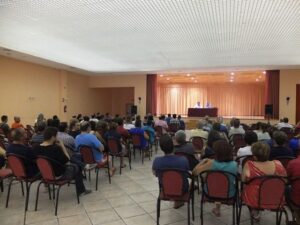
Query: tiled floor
<point x="129" y="200"/>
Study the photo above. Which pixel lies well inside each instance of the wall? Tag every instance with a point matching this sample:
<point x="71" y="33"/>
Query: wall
<point x="288" y="81"/>
<point x="138" y="82"/>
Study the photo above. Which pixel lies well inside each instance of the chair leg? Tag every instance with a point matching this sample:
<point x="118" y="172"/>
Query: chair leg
<point x="129" y="159"/>
<point x="53" y="190"/>
<point x="90" y="175"/>
<point x="27" y="195"/>
<point x="201" y="210"/>
<point x="1" y="185"/>
<point x="77" y="195"/>
<point x="157" y="211"/>
<point x="198" y="183"/>
<point x="57" y="196"/>
<point x="121" y="162"/>
<point x="193" y="208"/>
<point x="142" y="152"/>
<point x="239" y="212"/>
<point x="97" y="174"/>
<point x="233" y="214"/>
<point x="37" y="195"/>
<point x="22" y="186"/>
<point x="108" y="170"/>
<point x="8" y="192"/>
<point x="188" y="212"/>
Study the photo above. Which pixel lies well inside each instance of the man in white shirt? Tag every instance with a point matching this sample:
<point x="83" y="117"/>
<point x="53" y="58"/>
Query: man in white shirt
<point x="197" y="106"/>
<point x="284" y="124"/>
<point x="250" y="138"/>
<point x="236" y="129"/>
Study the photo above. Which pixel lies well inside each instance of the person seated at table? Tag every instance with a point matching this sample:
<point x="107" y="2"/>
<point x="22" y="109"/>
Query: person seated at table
<point x="208" y="105"/>
<point x="293" y="192"/>
<point x="170" y="161"/>
<point x="181" y="146"/>
<point x="279" y="148"/>
<point x="223" y="161"/>
<point x="260" y="166"/>
<point x="197" y="105"/>
<point x="55" y="149"/>
<point x="17" y="147"/>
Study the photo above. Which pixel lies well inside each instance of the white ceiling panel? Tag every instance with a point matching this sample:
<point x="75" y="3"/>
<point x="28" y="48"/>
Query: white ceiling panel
<point x="154" y="35"/>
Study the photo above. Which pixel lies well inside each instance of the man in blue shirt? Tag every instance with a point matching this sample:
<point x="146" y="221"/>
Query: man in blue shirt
<point x="170" y="161"/>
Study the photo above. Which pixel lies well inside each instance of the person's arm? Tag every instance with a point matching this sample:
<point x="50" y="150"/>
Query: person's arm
<point x="205" y="164"/>
<point x="146" y="136"/>
<point x="63" y="148"/>
<point x="245" y="173"/>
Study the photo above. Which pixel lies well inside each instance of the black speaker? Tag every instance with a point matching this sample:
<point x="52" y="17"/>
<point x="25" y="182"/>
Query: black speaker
<point x="133" y="110"/>
<point x="268" y="109"/>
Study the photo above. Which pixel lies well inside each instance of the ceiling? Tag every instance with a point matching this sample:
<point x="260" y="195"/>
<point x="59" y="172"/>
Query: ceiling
<point x="111" y="36"/>
<point x="245" y="77"/>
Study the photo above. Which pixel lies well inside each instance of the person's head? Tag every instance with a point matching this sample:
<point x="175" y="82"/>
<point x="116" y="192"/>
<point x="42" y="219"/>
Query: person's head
<point x="198" y="103"/>
<point x="174" y="116"/>
<point x="63" y="126"/>
<point x="74" y="124"/>
<point x="55" y="123"/>
<point x="85" y="127"/>
<point x="250" y="137"/>
<point x="286" y="120"/>
<point x="55" y="117"/>
<point x="223" y="151"/>
<point x="264" y="127"/>
<point x="149" y="123"/>
<point x="213" y="136"/>
<point x="93" y="125"/>
<point x="217" y="126"/>
<point x="166" y="144"/>
<point x="236" y="123"/>
<point x="4" y="119"/>
<point x="260" y="151"/>
<point x="163" y="117"/>
<point x="18" y="135"/>
<point x="220" y="119"/>
<point x="138" y="123"/>
<point x="102" y="126"/>
<point x="40" y="117"/>
<point x="179" y="117"/>
<point x="280" y="138"/>
<point x="50" y="134"/>
<point x="120" y="121"/>
<point x="41" y="126"/>
<point x="180" y="137"/>
<point x="151" y="118"/>
<point x="17" y="119"/>
<point x="169" y="115"/>
<point x="49" y="122"/>
<point x="113" y="126"/>
<point x="86" y="118"/>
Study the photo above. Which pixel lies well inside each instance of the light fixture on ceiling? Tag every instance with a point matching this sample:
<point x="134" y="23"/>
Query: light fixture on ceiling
<point x="161" y="75"/>
<point x="260" y="77"/>
<point x="196" y="81"/>
<point x="264" y="72"/>
<point x="168" y="78"/>
<point x="256" y="79"/>
<point x="232" y="73"/>
<point x="192" y="78"/>
<point x="188" y="75"/>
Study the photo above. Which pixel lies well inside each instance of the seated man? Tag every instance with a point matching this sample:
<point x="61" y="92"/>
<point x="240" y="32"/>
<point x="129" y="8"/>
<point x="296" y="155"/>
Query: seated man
<point x="64" y="137"/>
<point x="293" y="194"/>
<point x="55" y="149"/>
<point x="38" y="137"/>
<point x="185" y="148"/>
<point x="142" y="134"/>
<point x="162" y="123"/>
<point x="284" y="124"/>
<point x="279" y="147"/>
<point x="121" y="130"/>
<point x="128" y="123"/>
<point x="17" y="123"/>
<point x="150" y="131"/>
<point x="175" y="121"/>
<point x="170" y="161"/>
<point x="236" y="129"/>
<point x="4" y="126"/>
<point x="199" y="132"/>
<point x="17" y="147"/>
<point x="181" y="122"/>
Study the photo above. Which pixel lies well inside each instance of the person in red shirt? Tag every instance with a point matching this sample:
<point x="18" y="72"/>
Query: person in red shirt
<point x="121" y="130"/>
<point x="293" y="194"/>
<point x="17" y="123"/>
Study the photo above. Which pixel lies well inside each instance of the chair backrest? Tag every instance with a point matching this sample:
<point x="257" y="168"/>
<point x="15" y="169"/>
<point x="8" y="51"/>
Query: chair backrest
<point x="271" y="191"/>
<point x="113" y="146"/>
<point x="171" y="182"/>
<point x="46" y="168"/>
<point x="16" y="164"/>
<point x="193" y="162"/>
<point x="216" y="184"/>
<point x="284" y="160"/>
<point x="158" y="131"/>
<point x="295" y="184"/>
<point x="197" y="142"/>
<point x="87" y="154"/>
<point x="136" y="140"/>
<point x="243" y="159"/>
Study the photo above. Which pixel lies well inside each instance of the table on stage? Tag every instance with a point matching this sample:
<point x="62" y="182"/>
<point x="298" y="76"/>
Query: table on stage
<point x="202" y="112"/>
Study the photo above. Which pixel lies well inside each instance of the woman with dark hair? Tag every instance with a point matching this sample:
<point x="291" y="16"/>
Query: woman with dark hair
<point x="262" y="132"/>
<point x="223" y="162"/>
<point x="211" y="139"/>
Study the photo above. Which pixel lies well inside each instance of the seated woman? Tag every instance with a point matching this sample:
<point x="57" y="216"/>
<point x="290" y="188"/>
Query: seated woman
<point x="259" y="167"/>
<point x="212" y="138"/>
<point x="54" y="149"/>
<point x="223" y="161"/>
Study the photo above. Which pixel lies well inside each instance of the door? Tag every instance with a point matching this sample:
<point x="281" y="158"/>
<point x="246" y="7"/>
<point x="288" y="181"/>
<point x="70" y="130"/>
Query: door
<point x="297" y="103"/>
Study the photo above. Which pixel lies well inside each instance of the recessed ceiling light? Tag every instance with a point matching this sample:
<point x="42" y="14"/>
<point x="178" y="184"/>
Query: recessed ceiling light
<point x="232" y="73"/>
<point x="260" y="77"/>
<point x="231" y="80"/>
<point x="161" y="75"/>
<point x="257" y="80"/>
<point x="188" y="74"/>
<point x="168" y="78"/>
<point x="264" y="72"/>
<point x="196" y="81"/>
<point x="192" y="78"/>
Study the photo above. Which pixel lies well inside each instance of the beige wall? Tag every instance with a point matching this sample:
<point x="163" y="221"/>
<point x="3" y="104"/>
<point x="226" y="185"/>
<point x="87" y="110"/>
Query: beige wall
<point x="288" y="81"/>
<point x="138" y="82"/>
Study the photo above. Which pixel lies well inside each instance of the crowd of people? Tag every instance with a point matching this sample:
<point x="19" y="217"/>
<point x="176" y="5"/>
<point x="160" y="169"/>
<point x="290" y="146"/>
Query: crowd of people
<point x="61" y="141"/>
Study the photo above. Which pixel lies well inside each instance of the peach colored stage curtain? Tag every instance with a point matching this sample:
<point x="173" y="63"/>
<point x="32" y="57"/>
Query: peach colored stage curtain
<point x="231" y="99"/>
<point x="151" y="101"/>
<point x="272" y="91"/>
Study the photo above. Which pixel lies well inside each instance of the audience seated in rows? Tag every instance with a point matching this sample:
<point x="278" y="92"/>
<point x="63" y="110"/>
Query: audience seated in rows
<point x="17" y="147"/>
<point x="55" y="150"/>
<point x="17" y="123"/>
<point x="279" y="147"/>
<point x="217" y="127"/>
<point x="223" y="161"/>
<point x="284" y="124"/>
<point x="170" y="161"/>
<point x="161" y="123"/>
<point x="260" y="166"/>
<point x="236" y="128"/>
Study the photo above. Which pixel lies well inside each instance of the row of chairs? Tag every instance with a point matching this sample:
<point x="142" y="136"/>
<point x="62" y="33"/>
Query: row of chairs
<point x="216" y="188"/>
